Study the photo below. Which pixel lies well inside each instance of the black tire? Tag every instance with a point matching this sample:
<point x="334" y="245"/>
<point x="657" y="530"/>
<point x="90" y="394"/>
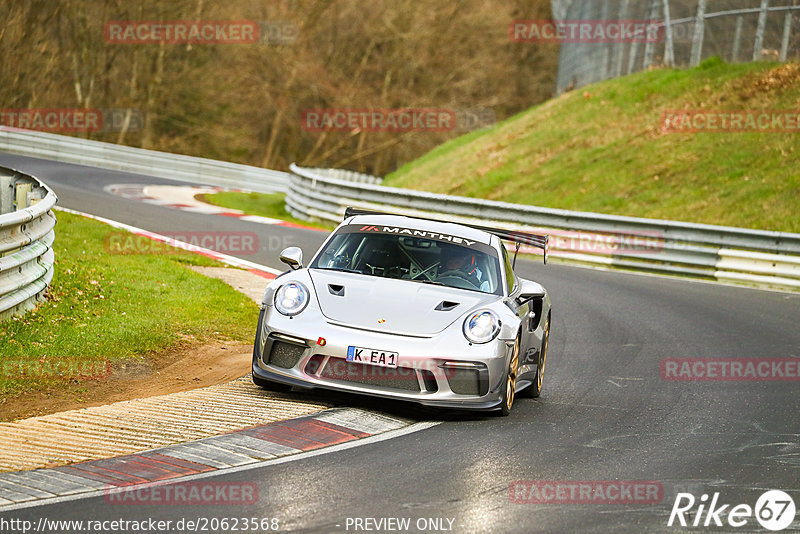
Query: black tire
<point x="535" y="389"/>
<point x="510" y="381"/>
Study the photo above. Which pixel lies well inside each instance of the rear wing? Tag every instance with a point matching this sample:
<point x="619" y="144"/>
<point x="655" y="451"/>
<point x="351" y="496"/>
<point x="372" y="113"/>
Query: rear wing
<point x="519" y="238"/>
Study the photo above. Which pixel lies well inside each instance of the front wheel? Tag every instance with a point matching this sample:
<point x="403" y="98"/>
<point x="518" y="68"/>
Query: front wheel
<point x="511" y="381"/>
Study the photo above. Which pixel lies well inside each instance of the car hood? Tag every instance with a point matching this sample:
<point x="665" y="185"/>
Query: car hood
<point x="390" y="305"/>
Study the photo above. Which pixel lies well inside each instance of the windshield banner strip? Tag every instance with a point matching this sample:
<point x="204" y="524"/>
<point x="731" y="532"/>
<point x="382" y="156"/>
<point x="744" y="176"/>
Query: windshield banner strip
<point x="413" y="232"/>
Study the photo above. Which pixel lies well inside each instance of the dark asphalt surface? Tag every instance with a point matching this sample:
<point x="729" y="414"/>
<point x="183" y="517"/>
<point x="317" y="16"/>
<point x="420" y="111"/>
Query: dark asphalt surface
<point x="605" y="413"/>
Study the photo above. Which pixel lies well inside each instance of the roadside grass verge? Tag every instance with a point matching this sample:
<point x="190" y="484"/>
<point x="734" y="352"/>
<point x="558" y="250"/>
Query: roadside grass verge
<point x="602" y="149"/>
<point x="264" y="204"/>
<point x="113" y="307"/>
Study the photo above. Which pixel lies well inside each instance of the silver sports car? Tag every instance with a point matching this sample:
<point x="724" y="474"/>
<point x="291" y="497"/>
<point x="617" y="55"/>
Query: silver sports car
<point x="410" y="309"/>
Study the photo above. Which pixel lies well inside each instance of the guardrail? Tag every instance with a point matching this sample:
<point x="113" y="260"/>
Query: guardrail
<point x="735" y="255"/>
<point x="738" y="255"/>
<point x="150" y="162"/>
<point x="26" y="241"/>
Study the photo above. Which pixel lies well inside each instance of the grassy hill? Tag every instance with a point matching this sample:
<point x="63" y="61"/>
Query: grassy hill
<point x="602" y="149"/>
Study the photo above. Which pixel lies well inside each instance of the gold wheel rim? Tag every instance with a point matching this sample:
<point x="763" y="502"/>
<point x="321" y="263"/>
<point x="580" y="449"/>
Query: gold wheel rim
<point x="511" y="382"/>
<point x="543" y="357"/>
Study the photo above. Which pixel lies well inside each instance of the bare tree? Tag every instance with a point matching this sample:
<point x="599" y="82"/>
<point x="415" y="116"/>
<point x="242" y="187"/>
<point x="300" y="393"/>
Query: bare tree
<point x="244" y="102"/>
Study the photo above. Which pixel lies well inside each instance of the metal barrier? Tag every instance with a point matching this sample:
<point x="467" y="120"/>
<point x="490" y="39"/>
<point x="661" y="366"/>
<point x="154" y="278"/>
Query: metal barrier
<point x="737" y="255"/>
<point x="26" y="241"/>
<point x="150" y="162"/>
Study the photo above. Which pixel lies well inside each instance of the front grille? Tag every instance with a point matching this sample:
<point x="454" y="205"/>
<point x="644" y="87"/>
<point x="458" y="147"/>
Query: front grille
<point x="466" y="381"/>
<point x="340" y="370"/>
<point x="284" y="355"/>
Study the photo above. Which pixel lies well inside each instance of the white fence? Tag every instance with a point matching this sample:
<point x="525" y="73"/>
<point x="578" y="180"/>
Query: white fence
<point x="26" y="241"/>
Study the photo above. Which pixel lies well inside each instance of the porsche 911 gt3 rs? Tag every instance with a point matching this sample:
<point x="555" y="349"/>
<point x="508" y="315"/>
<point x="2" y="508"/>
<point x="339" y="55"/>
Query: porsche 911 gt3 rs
<point x="410" y="309"/>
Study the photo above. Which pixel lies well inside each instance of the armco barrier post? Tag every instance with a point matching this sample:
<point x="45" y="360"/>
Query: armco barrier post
<point x="23" y="194"/>
<point x="6" y="194"/>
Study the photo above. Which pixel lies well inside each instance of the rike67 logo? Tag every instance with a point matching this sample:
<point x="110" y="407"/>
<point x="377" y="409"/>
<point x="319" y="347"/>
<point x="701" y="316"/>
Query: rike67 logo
<point x="774" y="510"/>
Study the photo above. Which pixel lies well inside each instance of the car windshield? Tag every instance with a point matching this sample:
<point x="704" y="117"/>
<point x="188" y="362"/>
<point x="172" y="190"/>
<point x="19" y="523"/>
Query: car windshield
<point x="451" y="261"/>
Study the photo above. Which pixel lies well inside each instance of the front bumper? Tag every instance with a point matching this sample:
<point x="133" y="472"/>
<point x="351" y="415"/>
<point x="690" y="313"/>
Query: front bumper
<point x="440" y="371"/>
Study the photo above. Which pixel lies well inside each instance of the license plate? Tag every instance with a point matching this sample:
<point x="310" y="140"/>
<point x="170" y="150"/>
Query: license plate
<point x="381" y="358"/>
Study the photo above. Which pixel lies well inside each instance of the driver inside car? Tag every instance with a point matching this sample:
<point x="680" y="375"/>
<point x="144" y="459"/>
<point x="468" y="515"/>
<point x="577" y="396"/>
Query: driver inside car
<point x="459" y="261"/>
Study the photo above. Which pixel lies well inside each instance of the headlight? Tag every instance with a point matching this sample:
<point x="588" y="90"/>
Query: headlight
<point x="482" y="326"/>
<point x="291" y="298"/>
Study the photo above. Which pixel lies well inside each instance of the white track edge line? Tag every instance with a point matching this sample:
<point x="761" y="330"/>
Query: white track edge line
<point x="225" y="258"/>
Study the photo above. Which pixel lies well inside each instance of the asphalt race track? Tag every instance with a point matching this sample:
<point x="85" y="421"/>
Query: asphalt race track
<point x="605" y="414"/>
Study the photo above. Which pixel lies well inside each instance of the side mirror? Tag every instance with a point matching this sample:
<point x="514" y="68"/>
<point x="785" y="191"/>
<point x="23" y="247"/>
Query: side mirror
<point x="530" y="290"/>
<point x="293" y="257"/>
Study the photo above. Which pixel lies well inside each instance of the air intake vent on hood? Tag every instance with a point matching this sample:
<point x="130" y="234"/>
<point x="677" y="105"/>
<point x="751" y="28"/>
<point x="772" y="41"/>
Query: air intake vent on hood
<point x="336" y="290"/>
<point x="446" y="305"/>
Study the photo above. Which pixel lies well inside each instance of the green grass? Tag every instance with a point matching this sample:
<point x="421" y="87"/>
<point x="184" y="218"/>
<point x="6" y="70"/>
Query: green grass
<point x="117" y="306"/>
<point x="601" y="149"/>
<point x="263" y="204"/>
